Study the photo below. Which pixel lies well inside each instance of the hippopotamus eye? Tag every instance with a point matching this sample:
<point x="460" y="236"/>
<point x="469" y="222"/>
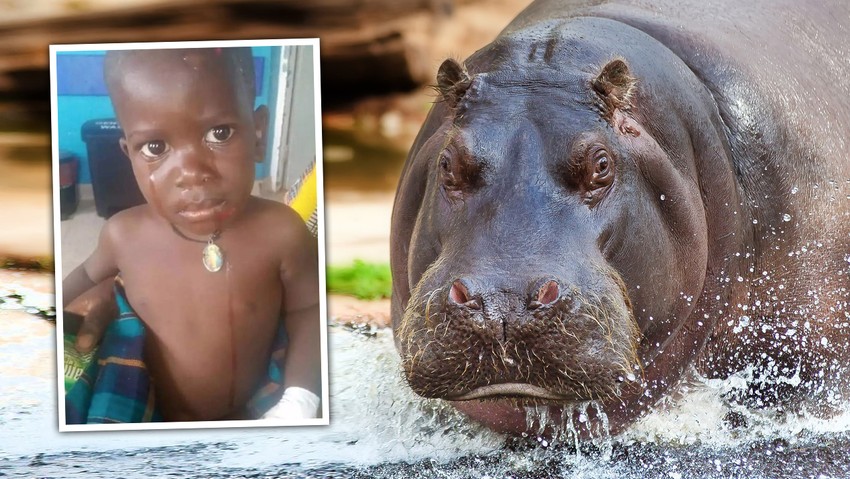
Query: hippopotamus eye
<point x="602" y="165"/>
<point x="446" y="170"/>
<point x="602" y="174"/>
<point x="444" y="164"/>
<point x="458" y="173"/>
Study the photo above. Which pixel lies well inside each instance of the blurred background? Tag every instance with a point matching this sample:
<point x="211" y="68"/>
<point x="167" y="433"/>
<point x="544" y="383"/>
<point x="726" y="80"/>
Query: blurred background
<point x="377" y="60"/>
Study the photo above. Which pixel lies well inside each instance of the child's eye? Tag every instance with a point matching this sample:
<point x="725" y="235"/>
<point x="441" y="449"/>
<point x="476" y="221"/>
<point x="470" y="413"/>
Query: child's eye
<point x="218" y="134"/>
<point x="154" y="149"/>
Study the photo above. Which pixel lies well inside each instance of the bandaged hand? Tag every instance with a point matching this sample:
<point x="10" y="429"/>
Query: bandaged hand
<point x="296" y="403"/>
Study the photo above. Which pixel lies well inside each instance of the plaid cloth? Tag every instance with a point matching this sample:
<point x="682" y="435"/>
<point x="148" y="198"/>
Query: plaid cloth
<point x="116" y="386"/>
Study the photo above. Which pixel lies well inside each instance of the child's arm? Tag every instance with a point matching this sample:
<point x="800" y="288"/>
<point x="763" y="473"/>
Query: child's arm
<point x="95" y="310"/>
<point x="98" y="267"/>
<point x="300" y="277"/>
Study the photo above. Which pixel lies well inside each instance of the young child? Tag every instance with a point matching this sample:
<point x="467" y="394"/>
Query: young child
<point x="208" y="268"/>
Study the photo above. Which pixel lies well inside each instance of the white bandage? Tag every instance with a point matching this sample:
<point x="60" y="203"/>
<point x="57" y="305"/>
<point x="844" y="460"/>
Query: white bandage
<point x="296" y="403"/>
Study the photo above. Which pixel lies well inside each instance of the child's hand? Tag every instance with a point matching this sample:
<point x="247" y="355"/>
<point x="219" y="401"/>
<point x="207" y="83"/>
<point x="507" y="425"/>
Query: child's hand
<point x="97" y="309"/>
<point x="296" y="403"/>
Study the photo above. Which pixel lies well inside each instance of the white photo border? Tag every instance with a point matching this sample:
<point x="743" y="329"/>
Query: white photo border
<point x="324" y="420"/>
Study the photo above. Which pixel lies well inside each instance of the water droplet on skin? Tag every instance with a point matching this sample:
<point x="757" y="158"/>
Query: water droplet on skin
<point x="663" y="197"/>
<point x="786" y="217"/>
<point x="794" y="190"/>
<point x="755" y="221"/>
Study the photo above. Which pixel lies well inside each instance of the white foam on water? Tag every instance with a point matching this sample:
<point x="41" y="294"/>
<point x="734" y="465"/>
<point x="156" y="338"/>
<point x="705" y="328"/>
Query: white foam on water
<point x="374" y="416"/>
<point x="377" y="420"/>
<point x="372" y="404"/>
<point x="699" y="414"/>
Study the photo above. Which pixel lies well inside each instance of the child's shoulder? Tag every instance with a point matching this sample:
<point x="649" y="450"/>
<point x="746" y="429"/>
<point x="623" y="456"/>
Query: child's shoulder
<point x="128" y="222"/>
<point x="277" y="218"/>
<point x="274" y="211"/>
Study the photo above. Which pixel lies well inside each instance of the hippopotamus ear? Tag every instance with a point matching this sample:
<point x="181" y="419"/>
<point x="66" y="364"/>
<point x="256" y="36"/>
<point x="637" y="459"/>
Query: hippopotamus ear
<point x="452" y="81"/>
<point x="615" y="86"/>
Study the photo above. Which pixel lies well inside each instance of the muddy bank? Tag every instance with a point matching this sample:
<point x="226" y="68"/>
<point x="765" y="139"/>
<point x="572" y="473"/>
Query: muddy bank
<point x="349" y="310"/>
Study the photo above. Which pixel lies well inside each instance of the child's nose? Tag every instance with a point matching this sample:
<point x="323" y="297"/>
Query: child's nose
<point x="195" y="167"/>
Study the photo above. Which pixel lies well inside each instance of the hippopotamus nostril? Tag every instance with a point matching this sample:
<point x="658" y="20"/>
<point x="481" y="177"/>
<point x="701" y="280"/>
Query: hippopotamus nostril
<point x="459" y="294"/>
<point x="547" y="294"/>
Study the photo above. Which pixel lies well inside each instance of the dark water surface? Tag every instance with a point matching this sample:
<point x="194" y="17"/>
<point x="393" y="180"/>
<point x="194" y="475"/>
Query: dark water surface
<point x="379" y="429"/>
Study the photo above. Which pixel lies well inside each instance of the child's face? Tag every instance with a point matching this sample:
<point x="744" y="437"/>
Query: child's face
<point x="191" y="134"/>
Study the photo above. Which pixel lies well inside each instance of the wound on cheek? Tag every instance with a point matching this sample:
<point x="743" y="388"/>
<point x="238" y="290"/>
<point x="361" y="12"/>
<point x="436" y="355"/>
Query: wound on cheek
<point x="225" y="214"/>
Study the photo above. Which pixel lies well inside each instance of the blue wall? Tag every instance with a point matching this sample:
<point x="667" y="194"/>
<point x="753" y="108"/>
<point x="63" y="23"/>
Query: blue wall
<point x="81" y="96"/>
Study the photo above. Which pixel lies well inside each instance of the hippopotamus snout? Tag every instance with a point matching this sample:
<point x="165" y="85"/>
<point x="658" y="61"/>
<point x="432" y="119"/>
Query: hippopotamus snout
<point x="506" y="307"/>
<point x="501" y="334"/>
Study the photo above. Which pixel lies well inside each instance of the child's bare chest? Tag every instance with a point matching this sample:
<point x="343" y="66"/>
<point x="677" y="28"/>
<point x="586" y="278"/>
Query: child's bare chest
<point x="207" y="331"/>
<point x="172" y="281"/>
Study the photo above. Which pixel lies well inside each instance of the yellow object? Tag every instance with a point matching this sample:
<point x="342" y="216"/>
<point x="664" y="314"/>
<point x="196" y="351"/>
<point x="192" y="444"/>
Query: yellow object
<point x="304" y="202"/>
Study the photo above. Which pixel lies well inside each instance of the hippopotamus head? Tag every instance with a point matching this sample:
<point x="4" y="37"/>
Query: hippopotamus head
<point x="549" y="235"/>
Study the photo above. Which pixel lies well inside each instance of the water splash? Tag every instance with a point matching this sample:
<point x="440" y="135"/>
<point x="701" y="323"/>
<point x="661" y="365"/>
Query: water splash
<point x="380" y="429"/>
<point x="580" y="426"/>
<point x="383" y="417"/>
<point x="19" y="298"/>
<point x="703" y="415"/>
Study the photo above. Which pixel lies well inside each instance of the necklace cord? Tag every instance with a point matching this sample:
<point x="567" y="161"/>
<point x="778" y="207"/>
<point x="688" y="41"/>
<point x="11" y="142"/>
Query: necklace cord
<point x="179" y="233"/>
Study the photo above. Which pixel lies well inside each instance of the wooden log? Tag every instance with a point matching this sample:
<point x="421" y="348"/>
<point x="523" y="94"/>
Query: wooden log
<point x="367" y="46"/>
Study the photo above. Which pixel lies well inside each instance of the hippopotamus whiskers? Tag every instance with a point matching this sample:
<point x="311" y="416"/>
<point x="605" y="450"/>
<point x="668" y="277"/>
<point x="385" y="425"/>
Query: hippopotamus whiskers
<point x="576" y="346"/>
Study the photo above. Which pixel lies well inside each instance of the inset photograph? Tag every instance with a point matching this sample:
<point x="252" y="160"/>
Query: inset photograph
<point x="188" y="222"/>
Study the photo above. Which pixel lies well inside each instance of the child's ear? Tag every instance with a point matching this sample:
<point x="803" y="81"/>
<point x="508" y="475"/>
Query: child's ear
<point x="123" y="143"/>
<point x="261" y="128"/>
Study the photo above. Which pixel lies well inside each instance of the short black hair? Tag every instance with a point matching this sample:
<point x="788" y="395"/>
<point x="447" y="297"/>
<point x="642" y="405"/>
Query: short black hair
<point x="239" y="60"/>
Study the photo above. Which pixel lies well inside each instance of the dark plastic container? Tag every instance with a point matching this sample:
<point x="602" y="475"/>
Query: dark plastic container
<point x="112" y="179"/>
<point x="69" y="191"/>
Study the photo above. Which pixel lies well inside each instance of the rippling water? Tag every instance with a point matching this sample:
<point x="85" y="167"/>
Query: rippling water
<point x="380" y="429"/>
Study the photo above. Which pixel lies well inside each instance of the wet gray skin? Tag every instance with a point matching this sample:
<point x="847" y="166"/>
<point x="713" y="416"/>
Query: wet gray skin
<point x="604" y="198"/>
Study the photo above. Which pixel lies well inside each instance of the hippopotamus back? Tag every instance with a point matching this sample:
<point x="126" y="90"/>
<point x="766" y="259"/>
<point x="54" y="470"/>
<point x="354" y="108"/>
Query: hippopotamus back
<point x="780" y="74"/>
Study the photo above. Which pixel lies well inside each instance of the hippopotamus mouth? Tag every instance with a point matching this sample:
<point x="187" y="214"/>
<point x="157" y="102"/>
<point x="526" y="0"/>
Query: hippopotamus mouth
<point x="517" y="390"/>
<point x="552" y="344"/>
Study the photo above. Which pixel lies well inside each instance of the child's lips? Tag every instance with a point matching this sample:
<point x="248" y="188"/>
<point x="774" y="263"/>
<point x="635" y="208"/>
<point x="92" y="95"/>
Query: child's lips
<point x="204" y="210"/>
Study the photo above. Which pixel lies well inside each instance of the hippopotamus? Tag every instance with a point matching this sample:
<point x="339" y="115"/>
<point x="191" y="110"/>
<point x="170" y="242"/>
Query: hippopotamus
<point x="614" y="197"/>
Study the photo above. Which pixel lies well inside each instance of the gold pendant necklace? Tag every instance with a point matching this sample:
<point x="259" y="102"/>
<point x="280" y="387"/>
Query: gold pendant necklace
<point x="213" y="257"/>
